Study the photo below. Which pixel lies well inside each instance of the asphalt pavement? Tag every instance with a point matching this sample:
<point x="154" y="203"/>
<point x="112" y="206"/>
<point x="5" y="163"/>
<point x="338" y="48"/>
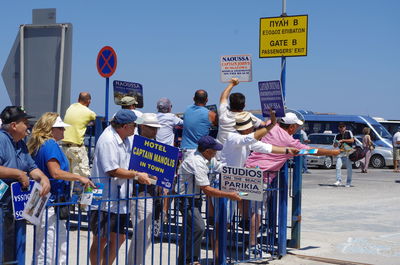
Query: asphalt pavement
<point x="356" y="225"/>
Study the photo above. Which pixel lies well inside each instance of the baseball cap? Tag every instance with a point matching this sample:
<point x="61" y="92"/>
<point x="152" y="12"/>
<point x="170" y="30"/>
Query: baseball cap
<point x="150" y="119"/>
<point x="59" y="123"/>
<point x="125" y="116"/>
<point x="13" y="113"/>
<point x="164" y="105"/>
<point x="291" y="118"/>
<point x="207" y="142"/>
<point x="243" y="120"/>
<point x="127" y="101"/>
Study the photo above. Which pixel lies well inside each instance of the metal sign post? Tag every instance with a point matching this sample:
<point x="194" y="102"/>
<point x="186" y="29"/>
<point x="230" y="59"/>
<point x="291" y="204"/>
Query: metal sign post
<point x="106" y="66"/>
<point x="285" y="36"/>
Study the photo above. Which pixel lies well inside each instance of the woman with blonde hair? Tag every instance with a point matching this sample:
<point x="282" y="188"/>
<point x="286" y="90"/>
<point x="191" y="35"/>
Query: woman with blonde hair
<point x="51" y="160"/>
<point x="368" y="147"/>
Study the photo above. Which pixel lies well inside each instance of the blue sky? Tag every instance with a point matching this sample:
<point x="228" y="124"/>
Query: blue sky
<point x="173" y="48"/>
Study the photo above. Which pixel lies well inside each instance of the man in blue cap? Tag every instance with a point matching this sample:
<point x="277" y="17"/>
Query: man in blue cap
<point x="110" y="167"/>
<point x="193" y="178"/>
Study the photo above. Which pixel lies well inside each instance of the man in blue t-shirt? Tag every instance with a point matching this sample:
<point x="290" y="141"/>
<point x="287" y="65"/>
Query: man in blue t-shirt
<point x="197" y="121"/>
<point x="15" y="165"/>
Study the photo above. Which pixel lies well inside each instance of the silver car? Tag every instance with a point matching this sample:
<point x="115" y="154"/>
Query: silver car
<point x="380" y="157"/>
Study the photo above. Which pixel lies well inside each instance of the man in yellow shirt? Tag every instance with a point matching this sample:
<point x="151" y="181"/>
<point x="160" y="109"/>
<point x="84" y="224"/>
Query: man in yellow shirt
<point x="78" y="115"/>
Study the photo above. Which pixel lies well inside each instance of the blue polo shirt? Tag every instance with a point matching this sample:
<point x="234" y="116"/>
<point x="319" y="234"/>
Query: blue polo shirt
<point x="195" y="125"/>
<point x="50" y="150"/>
<point x="14" y="155"/>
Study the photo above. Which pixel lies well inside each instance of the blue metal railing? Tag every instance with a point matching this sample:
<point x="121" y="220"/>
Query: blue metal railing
<point x="163" y="247"/>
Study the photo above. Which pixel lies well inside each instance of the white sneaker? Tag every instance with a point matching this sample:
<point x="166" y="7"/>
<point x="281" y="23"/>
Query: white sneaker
<point x="348" y="186"/>
<point x="257" y="252"/>
<point x="157" y="227"/>
<point x="337" y="183"/>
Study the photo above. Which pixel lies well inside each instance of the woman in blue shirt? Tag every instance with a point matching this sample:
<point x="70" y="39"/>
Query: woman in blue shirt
<point x="51" y="160"/>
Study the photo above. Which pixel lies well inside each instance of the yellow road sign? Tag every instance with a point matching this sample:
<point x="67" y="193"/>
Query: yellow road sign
<point x="283" y="36"/>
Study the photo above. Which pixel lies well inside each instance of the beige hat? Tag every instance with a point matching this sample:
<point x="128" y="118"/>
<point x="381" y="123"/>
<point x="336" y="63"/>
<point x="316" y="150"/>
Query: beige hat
<point x="150" y="119"/>
<point x="243" y="120"/>
<point x="127" y="101"/>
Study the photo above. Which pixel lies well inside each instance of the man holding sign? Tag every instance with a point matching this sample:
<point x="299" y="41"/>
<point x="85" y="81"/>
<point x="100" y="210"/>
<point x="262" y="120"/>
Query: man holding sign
<point x="110" y="167"/>
<point x="193" y="174"/>
<point x="15" y="165"/>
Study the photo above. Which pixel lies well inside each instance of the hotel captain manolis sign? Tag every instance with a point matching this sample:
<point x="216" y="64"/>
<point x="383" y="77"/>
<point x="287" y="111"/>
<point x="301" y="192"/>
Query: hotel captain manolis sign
<point x="283" y="36"/>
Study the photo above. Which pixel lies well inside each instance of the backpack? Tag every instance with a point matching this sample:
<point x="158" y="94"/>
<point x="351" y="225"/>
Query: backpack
<point x="359" y="153"/>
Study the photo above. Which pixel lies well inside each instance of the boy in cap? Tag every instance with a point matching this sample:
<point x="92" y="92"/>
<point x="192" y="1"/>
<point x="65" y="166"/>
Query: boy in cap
<point x="193" y="174"/>
<point x="16" y="164"/>
<point x="110" y="167"/>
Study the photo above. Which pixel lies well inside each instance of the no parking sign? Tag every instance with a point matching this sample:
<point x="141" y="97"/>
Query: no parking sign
<point x="106" y="61"/>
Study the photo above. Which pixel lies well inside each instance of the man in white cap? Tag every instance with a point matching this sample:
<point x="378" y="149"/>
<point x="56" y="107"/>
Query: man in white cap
<point x="142" y="209"/>
<point x="280" y="135"/>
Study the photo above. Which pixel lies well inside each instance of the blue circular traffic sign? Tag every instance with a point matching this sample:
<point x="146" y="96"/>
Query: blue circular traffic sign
<point x="106" y="61"/>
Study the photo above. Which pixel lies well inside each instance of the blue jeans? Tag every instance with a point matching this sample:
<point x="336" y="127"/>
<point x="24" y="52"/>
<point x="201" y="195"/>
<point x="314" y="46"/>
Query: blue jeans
<point x="305" y="168"/>
<point x="339" y="163"/>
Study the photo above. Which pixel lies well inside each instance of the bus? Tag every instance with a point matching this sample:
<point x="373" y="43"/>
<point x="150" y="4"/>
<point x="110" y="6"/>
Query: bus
<point x="319" y="123"/>
<point x="390" y="125"/>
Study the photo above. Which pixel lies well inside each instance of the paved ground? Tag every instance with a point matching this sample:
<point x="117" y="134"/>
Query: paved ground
<point x="357" y="225"/>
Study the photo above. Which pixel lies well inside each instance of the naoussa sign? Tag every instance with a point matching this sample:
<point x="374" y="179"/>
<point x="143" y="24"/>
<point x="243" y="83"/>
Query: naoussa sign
<point x="236" y="66"/>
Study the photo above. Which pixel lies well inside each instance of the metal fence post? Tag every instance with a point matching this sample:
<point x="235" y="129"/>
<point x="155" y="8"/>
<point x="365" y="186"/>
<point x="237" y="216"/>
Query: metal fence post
<point x="296" y="202"/>
<point x="20" y="229"/>
<point x="1" y="233"/>
<point x="282" y="214"/>
<point x="222" y="231"/>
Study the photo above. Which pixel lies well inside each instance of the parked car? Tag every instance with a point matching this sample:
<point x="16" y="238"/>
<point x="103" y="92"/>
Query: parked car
<point x="380" y="157"/>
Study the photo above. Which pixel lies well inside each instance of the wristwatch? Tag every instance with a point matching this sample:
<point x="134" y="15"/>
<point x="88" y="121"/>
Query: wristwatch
<point x="287" y="151"/>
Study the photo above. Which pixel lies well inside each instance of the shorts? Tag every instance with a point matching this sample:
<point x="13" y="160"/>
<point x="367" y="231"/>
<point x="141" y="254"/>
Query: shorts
<point x="396" y="153"/>
<point x="260" y="207"/>
<point x="115" y="227"/>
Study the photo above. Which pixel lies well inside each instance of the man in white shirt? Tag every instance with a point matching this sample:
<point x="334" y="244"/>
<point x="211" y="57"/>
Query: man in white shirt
<point x="167" y="120"/>
<point x="396" y="150"/>
<point x="193" y="178"/>
<point x="227" y="114"/>
<point x="237" y="148"/>
<point x="110" y="167"/>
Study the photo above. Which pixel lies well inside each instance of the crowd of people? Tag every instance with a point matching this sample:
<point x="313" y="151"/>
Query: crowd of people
<point x="55" y="156"/>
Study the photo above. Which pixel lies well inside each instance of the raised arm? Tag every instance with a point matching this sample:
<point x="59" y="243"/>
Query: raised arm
<point x="227" y="91"/>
